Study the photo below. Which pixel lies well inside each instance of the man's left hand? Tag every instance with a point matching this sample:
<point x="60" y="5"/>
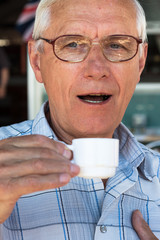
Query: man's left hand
<point x="141" y="227"/>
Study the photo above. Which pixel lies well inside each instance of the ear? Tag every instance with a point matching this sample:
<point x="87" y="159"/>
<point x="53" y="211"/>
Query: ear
<point x="143" y="57"/>
<point x="34" y="57"/>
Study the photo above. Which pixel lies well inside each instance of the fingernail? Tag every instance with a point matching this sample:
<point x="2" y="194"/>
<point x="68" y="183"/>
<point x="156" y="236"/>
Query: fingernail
<point x="139" y="214"/>
<point x="67" y="153"/>
<point x="64" y="178"/>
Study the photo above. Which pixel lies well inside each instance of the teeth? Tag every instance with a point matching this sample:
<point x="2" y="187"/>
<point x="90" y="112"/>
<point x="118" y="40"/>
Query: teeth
<point x="94" y="98"/>
<point x="90" y="101"/>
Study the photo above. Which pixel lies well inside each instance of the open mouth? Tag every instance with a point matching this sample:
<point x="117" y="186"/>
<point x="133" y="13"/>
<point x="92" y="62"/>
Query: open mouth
<point x="95" y="98"/>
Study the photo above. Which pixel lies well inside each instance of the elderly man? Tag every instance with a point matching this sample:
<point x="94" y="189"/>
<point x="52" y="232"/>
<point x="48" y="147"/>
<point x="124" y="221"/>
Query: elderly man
<point x="89" y="54"/>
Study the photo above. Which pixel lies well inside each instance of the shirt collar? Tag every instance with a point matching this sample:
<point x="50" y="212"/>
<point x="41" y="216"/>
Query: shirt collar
<point x="41" y="125"/>
<point x="129" y="147"/>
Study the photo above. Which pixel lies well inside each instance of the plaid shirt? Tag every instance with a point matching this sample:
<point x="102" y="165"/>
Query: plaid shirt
<point x="83" y="209"/>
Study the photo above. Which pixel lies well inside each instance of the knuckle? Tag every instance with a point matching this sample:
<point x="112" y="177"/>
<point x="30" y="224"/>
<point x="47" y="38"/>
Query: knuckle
<point x="5" y="151"/>
<point x="67" y="167"/>
<point x="40" y="139"/>
<point x="64" y="166"/>
<point x="46" y="153"/>
<point x="3" y="169"/>
<point x="59" y="147"/>
<point x="38" y="164"/>
<point x="8" y="152"/>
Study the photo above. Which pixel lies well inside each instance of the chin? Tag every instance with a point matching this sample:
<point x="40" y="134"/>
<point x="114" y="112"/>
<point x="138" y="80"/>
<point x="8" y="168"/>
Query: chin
<point x="93" y="128"/>
<point x="95" y="133"/>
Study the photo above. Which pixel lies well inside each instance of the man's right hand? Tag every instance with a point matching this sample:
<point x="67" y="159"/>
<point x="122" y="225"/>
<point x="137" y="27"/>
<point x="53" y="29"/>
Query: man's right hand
<point x="29" y="164"/>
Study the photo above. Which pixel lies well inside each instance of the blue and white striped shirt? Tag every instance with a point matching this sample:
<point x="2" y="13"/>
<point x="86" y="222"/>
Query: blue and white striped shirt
<point x="83" y="209"/>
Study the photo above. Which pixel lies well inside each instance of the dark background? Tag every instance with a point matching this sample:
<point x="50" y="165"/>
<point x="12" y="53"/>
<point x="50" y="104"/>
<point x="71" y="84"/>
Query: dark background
<point x="13" y="108"/>
<point x="9" y="12"/>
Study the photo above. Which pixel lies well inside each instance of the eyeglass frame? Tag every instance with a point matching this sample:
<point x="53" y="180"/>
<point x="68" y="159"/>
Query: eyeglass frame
<point x="52" y="42"/>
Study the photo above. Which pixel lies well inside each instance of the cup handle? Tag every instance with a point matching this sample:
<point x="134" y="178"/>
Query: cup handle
<point x="71" y="148"/>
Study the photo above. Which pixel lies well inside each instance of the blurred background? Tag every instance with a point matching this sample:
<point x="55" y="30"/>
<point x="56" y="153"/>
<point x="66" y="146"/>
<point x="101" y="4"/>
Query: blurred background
<point x="143" y="113"/>
<point x="23" y="96"/>
<point x="20" y="95"/>
<point x="13" y="105"/>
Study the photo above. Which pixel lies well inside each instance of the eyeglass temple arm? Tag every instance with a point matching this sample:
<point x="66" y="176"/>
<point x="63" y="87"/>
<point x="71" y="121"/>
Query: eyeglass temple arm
<point x="47" y="40"/>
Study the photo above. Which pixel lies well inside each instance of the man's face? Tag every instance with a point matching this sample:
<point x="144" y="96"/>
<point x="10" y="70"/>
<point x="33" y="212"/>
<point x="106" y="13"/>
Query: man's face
<point x="71" y="116"/>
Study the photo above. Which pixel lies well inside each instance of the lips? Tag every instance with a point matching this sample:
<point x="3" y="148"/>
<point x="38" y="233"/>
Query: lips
<point x="94" y="98"/>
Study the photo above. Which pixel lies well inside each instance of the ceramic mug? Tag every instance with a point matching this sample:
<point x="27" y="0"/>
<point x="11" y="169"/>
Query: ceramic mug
<point x="97" y="157"/>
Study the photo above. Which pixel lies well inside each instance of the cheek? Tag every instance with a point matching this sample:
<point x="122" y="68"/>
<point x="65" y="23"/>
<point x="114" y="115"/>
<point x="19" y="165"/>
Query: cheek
<point x="59" y="86"/>
<point x="128" y="79"/>
<point x="133" y="78"/>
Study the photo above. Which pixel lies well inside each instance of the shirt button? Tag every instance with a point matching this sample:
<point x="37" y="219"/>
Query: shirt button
<point x="103" y="229"/>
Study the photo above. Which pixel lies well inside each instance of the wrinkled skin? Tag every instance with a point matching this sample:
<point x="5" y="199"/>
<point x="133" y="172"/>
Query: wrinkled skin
<point x="29" y="164"/>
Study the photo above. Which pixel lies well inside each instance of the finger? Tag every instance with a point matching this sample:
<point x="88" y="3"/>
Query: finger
<point x="141" y="227"/>
<point x="17" y="187"/>
<point x="33" y="141"/>
<point x="38" y="166"/>
<point x="11" y="154"/>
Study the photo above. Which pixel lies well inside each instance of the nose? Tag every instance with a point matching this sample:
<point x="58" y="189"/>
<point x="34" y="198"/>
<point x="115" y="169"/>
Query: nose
<point x="96" y="65"/>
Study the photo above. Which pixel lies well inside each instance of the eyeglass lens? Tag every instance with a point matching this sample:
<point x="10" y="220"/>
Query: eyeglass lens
<point x="76" y="48"/>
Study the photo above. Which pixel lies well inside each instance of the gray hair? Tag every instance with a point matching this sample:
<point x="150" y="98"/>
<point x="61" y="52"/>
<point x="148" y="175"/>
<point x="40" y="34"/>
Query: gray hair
<point x="43" y="17"/>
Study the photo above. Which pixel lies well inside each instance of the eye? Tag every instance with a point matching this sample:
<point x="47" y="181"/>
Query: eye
<point x="115" y="46"/>
<point x="72" y="45"/>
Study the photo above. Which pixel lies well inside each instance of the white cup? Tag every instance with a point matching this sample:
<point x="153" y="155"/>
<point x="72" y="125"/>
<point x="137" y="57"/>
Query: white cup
<point x="97" y="157"/>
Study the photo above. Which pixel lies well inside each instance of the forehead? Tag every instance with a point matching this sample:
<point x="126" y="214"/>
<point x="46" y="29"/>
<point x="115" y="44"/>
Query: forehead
<point x="93" y="17"/>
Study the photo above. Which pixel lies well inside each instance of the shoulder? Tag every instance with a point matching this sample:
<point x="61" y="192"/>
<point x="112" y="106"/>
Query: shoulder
<point x="19" y="129"/>
<point x="139" y="155"/>
<point x="149" y="152"/>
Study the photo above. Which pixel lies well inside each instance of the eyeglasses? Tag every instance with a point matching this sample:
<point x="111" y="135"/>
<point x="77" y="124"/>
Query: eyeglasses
<point x="75" y="48"/>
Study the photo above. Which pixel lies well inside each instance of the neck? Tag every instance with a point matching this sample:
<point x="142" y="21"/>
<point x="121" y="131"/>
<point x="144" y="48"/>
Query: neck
<point x="48" y="117"/>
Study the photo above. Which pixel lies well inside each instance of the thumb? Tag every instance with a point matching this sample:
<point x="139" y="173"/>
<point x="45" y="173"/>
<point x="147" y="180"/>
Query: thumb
<point x="141" y="227"/>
